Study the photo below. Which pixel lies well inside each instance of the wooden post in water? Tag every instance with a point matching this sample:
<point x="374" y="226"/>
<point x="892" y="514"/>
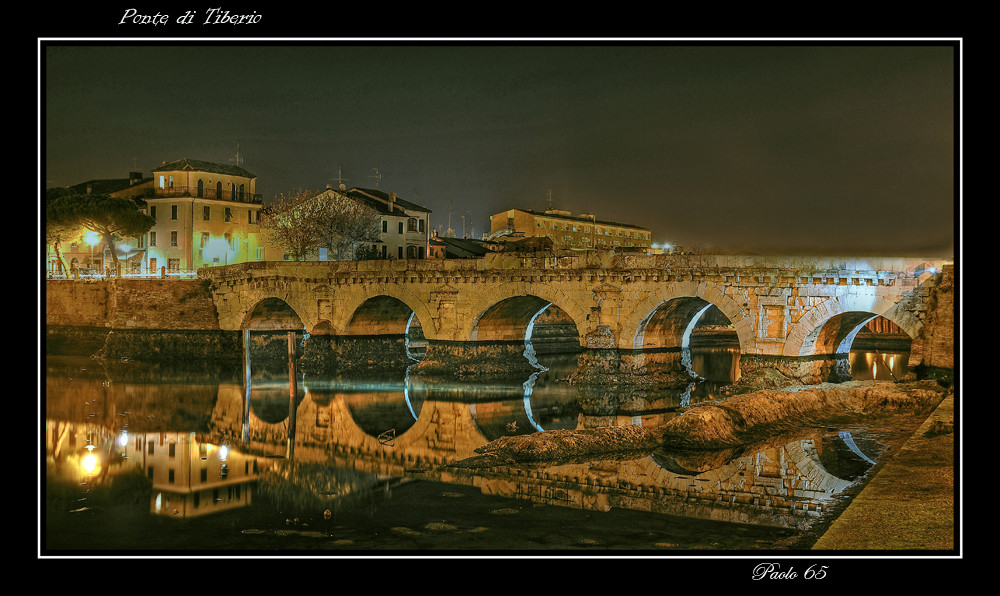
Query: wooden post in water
<point x="245" y="425"/>
<point x="292" y="390"/>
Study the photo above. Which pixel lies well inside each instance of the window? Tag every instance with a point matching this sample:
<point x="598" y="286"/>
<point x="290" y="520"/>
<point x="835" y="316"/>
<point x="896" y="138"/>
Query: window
<point x="399" y="249"/>
<point x="152" y="211"/>
<point x="260" y="253"/>
<point x="152" y="238"/>
<point x="207" y="215"/>
<point x="172" y="449"/>
<point x="204" y="474"/>
<point x="173" y="265"/>
<point x="170" y="181"/>
<point x="204" y="239"/>
<point x="173" y="238"/>
<point x="170" y="476"/>
<point x="420" y="225"/>
<point x="411" y="225"/>
<point x="162" y="181"/>
<point x="173" y="212"/>
<point x="385" y="226"/>
<point x="400" y="231"/>
<point x="249" y="216"/>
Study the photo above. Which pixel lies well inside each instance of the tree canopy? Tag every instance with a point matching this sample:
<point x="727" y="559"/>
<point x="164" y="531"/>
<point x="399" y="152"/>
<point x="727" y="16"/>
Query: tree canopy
<point x="113" y="218"/>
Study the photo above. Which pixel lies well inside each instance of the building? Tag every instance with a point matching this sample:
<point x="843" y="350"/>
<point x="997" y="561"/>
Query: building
<point x="568" y="231"/>
<point x="405" y="225"/>
<point x="206" y="214"/>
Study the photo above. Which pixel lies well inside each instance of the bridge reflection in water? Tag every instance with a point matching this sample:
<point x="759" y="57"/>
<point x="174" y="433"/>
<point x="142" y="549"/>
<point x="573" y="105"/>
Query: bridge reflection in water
<point x="361" y="432"/>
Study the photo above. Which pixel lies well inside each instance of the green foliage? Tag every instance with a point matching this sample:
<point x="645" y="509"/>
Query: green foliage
<point x="111" y="217"/>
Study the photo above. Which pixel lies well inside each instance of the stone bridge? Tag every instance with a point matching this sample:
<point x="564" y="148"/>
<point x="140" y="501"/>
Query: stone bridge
<point x="477" y="313"/>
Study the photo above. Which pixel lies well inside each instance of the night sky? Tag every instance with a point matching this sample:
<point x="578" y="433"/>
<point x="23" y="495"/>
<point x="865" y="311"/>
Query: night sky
<point x="845" y="148"/>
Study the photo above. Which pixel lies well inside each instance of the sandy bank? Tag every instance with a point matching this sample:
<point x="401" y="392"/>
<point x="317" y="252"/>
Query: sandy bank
<point x="733" y="422"/>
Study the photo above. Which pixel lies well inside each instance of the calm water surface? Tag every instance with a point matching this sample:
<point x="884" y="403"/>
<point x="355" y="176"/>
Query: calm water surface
<point x="177" y="459"/>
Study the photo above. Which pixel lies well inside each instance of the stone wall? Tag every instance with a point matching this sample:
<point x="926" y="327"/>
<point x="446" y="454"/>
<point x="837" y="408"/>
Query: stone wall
<point x="128" y="304"/>
<point x="136" y="319"/>
<point x="936" y="349"/>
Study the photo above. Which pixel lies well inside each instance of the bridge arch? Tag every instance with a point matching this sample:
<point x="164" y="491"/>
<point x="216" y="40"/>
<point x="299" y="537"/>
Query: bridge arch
<point x="372" y="310"/>
<point x="830" y="327"/>
<point x="272" y="314"/>
<point x="507" y="312"/>
<point x="666" y="316"/>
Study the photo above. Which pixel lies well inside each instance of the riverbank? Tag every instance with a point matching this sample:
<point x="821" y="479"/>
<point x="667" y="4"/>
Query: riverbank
<point x="910" y="503"/>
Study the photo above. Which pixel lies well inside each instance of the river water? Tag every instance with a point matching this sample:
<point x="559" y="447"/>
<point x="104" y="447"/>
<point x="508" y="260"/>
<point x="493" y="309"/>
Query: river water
<point x="189" y="459"/>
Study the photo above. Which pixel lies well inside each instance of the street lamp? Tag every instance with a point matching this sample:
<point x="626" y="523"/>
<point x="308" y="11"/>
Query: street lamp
<point x="92" y="238"/>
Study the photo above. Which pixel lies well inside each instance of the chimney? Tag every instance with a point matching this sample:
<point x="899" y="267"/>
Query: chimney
<point x="392" y="202"/>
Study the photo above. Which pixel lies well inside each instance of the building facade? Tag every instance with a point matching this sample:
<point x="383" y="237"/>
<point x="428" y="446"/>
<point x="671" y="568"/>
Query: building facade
<point x="568" y="231"/>
<point x="206" y="214"/>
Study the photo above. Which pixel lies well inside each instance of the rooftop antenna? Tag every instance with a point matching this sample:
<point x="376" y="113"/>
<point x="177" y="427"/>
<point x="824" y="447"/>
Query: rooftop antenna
<point x="237" y="159"/>
<point x="377" y="177"/>
<point x="340" y="177"/>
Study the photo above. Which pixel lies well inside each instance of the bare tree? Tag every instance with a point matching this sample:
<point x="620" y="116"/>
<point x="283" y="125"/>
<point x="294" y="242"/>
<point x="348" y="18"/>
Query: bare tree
<point x="304" y="221"/>
<point x="286" y="223"/>
<point x="342" y="224"/>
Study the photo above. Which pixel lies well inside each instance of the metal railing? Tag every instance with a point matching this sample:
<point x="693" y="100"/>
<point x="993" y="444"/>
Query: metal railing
<point x="205" y="193"/>
<point x="84" y="275"/>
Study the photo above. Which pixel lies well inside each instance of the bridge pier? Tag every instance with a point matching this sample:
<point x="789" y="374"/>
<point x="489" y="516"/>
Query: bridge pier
<point x="475" y="360"/>
<point x="355" y="354"/>
<point x="762" y="371"/>
<point x="633" y="368"/>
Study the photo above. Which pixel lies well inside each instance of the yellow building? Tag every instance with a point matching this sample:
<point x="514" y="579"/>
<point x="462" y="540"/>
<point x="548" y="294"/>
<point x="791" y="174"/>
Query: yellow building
<point x="568" y="231"/>
<point x="206" y="214"/>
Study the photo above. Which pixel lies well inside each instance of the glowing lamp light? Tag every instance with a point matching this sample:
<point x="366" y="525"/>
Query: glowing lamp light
<point x="123" y="438"/>
<point x="224" y="452"/>
<point x="89" y="463"/>
<point x="92" y="237"/>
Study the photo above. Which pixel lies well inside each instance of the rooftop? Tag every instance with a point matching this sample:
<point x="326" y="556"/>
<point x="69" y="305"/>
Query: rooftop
<point x="196" y="165"/>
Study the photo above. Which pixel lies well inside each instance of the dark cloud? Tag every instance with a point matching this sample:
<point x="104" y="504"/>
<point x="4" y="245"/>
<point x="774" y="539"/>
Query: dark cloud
<point x="840" y="148"/>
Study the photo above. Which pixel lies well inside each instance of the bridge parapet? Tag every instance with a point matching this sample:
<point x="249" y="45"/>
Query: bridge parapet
<point x="792" y="306"/>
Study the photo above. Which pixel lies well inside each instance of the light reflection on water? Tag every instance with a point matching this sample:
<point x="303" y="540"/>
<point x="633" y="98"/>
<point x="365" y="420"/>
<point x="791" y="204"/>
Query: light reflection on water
<point x="195" y="449"/>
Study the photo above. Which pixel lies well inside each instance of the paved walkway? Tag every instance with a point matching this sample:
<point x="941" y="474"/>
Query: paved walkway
<point x="910" y="504"/>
